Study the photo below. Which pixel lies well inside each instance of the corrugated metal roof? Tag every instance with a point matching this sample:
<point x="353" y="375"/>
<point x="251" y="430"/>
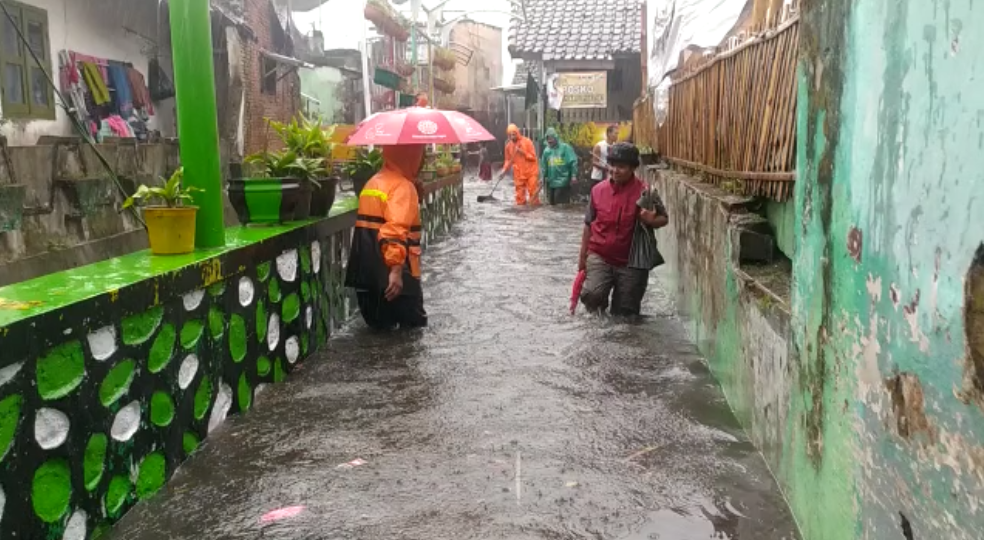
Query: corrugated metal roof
<point x="578" y="29"/>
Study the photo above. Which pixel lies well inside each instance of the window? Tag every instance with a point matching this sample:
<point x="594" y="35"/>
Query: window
<point x="24" y="88"/>
<point x="268" y="83"/>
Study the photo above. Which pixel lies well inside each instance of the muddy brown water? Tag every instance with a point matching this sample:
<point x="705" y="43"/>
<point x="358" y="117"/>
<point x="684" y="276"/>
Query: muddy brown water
<point x="506" y="419"/>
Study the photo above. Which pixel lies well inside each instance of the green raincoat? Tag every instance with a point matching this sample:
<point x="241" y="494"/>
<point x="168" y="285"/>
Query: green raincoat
<point x="559" y="165"/>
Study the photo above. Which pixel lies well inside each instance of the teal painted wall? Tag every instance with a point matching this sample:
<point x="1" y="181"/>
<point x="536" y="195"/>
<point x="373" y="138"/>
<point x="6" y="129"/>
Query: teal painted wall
<point x="782" y="219"/>
<point x="323" y="84"/>
<point x="885" y="438"/>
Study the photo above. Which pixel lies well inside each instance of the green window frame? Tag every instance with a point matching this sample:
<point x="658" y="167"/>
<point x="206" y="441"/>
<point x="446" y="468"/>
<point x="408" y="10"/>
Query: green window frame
<point x="24" y="89"/>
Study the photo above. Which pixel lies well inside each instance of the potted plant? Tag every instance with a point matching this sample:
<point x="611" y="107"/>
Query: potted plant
<point x="363" y="167"/>
<point x="171" y="225"/>
<point x="375" y="12"/>
<point x="280" y="193"/>
<point x="309" y="140"/>
<point x="443" y="166"/>
<point x="456" y="166"/>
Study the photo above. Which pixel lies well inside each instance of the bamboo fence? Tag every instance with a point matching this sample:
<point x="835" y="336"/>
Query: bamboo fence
<point x="733" y="118"/>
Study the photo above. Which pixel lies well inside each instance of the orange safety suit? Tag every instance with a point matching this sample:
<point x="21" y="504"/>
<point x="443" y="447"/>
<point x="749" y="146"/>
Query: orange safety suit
<point x="387" y="234"/>
<point x="521" y="155"/>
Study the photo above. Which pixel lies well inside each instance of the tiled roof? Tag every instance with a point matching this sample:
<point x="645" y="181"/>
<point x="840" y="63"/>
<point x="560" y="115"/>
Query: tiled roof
<point x="577" y="29"/>
<point x="523" y="70"/>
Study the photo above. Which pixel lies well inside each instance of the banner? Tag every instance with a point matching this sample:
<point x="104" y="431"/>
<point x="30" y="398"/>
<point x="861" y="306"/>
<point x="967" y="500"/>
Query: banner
<point x="674" y="25"/>
<point x="580" y="90"/>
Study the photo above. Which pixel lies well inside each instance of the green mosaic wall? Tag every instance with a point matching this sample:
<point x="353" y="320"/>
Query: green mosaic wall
<point x="102" y="399"/>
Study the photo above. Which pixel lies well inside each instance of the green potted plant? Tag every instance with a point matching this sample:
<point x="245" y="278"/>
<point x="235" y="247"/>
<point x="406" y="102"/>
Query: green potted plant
<point x="280" y="192"/>
<point x="171" y="224"/>
<point x="309" y="140"/>
<point x="444" y="166"/>
<point x="363" y="167"/>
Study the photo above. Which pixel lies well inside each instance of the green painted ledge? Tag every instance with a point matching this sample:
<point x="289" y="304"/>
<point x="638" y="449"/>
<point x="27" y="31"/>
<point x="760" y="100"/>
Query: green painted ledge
<point x="54" y="291"/>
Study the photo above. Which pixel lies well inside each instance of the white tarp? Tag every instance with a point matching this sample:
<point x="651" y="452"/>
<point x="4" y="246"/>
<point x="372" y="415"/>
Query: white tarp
<point x="675" y="25"/>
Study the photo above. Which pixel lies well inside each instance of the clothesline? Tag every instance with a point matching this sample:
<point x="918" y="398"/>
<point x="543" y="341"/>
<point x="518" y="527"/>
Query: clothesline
<point x="110" y="97"/>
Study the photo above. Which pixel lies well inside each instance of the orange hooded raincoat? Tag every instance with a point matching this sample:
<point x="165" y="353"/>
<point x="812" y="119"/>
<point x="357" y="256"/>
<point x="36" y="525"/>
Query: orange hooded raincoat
<point x="521" y="155"/>
<point x="387" y="228"/>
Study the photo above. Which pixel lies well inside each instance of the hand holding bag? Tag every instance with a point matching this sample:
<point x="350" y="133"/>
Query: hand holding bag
<point x="644" y="254"/>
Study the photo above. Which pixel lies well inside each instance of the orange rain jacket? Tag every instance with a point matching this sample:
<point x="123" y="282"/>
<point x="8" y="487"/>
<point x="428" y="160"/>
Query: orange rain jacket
<point x="387" y="228"/>
<point x="522" y="156"/>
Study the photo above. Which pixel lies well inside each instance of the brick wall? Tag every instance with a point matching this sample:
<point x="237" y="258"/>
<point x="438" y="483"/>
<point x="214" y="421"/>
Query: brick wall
<point x="259" y="106"/>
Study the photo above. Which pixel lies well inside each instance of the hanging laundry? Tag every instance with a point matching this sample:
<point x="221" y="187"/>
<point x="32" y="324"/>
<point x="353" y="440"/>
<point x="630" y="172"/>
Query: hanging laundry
<point x="122" y="96"/>
<point x="97" y="85"/>
<point x="141" y="95"/>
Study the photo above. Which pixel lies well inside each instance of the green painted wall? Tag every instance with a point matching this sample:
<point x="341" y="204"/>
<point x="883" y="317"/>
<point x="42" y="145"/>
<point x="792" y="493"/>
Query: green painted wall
<point x="782" y="219"/>
<point x="322" y="84"/>
<point x="885" y="439"/>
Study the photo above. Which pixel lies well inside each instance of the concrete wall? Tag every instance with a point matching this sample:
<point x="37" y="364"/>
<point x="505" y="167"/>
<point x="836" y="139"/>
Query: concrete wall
<point x="67" y="201"/>
<point x="739" y="323"/>
<point x="99" y="28"/>
<point x="865" y="388"/>
<point x="887" y="436"/>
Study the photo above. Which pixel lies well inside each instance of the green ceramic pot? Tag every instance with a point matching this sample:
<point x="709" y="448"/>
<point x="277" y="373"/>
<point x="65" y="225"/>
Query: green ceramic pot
<point x="269" y="200"/>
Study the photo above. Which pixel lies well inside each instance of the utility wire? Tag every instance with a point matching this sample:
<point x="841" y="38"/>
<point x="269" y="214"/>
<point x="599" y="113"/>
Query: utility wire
<point x="68" y="111"/>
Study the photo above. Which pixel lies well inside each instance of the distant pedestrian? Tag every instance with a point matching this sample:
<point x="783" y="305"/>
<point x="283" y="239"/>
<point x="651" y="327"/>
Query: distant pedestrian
<point x="559" y="169"/>
<point x="484" y="163"/>
<point x="599" y="155"/>
<point x="609" y="227"/>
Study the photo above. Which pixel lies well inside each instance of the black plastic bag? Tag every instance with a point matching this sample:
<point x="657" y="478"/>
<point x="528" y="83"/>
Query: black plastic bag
<point x="160" y="84"/>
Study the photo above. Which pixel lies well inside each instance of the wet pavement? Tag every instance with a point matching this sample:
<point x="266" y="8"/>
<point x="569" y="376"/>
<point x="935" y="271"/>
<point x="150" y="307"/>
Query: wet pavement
<point x="506" y="419"/>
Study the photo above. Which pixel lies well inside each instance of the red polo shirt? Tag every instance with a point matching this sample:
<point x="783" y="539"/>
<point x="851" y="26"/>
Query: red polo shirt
<point x="612" y="214"/>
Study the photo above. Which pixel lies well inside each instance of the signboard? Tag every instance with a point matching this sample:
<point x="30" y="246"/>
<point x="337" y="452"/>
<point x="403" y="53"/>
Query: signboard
<point x="580" y="90"/>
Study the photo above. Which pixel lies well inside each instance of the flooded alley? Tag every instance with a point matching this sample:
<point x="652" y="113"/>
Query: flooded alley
<point x="507" y="418"/>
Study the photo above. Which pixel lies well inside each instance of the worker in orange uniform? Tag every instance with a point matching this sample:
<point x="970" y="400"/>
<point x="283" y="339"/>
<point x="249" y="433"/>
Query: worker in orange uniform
<point x="521" y="155"/>
<point x="384" y="263"/>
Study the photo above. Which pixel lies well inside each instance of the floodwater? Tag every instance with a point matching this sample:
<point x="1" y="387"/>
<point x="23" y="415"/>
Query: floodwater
<point x="506" y="419"/>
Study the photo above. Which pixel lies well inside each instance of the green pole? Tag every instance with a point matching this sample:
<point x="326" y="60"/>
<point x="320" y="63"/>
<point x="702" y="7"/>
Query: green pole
<point x="198" y="129"/>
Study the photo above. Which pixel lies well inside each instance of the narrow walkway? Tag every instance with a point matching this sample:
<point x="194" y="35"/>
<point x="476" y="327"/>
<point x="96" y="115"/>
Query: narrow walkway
<point x="506" y="419"/>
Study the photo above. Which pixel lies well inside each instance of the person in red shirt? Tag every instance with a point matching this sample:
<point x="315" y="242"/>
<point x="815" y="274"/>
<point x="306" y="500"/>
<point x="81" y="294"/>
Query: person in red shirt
<point x="609" y="225"/>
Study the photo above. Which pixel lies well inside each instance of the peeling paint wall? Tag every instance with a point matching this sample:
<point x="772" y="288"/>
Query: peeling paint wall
<point x="741" y="328"/>
<point x="886" y="438"/>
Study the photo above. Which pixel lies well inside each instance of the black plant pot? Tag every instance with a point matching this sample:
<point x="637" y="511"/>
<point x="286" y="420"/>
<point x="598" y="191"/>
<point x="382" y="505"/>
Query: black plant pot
<point x="322" y="198"/>
<point x="268" y="200"/>
<point x="360" y="180"/>
<point x="303" y="209"/>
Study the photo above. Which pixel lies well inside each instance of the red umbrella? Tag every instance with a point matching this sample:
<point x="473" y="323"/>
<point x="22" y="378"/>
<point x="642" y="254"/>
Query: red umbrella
<point x="417" y="125"/>
<point x="576" y="289"/>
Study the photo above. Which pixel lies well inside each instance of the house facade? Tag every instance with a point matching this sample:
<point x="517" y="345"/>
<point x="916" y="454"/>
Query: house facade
<point x="65" y="34"/>
<point x="572" y="40"/>
<point x="478" y="48"/>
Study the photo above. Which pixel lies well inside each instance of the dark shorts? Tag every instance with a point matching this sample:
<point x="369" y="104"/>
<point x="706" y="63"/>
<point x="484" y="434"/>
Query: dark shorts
<point x="380" y="314"/>
<point x="624" y="287"/>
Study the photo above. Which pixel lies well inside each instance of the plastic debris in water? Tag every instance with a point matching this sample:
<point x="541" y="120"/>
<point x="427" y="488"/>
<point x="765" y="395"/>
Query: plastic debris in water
<point x="353" y="464"/>
<point x="281" y="513"/>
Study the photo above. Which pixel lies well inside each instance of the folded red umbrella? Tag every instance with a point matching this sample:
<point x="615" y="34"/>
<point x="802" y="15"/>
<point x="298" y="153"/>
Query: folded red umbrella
<point x="576" y="292"/>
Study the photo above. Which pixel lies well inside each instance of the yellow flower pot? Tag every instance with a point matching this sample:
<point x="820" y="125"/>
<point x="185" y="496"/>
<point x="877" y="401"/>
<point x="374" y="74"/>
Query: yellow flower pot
<point x="171" y="230"/>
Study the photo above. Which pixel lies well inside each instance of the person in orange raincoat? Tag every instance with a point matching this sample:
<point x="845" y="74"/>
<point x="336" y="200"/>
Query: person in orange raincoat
<point x="384" y="263"/>
<point x="521" y="155"/>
